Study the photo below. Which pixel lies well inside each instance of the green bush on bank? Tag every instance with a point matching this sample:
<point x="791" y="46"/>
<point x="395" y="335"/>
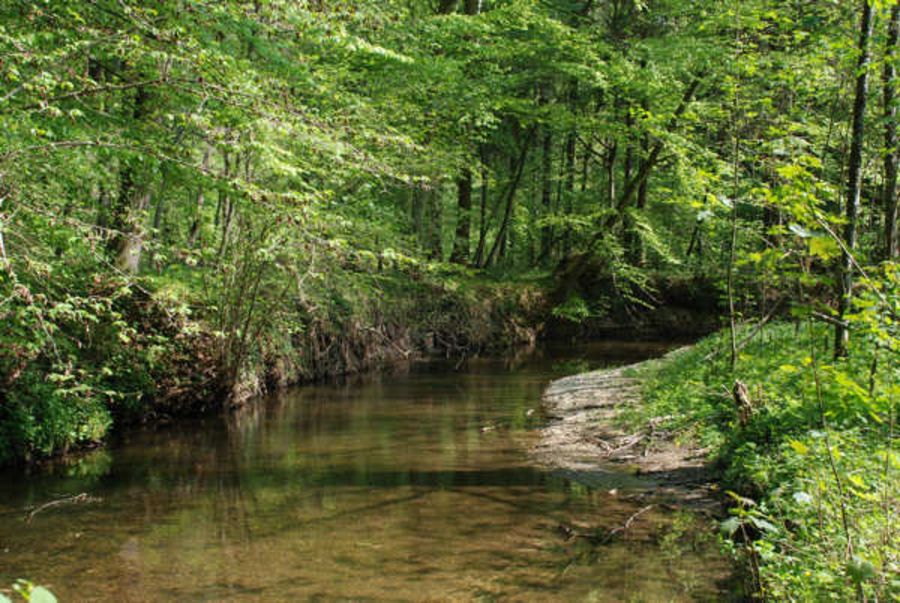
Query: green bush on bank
<point x="813" y="472"/>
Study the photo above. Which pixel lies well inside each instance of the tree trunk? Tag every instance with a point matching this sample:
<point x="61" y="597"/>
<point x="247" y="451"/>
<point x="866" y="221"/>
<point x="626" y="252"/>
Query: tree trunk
<point x="509" y="198"/>
<point x="127" y="214"/>
<point x="611" y="172"/>
<point x="641" y="204"/>
<point x="629" y="234"/>
<point x="569" y="189"/>
<point x="460" y="253"/>
<point x="546" y="192"/>
<point x="854" y="180"/>
<point x="227" y="201"/>
<point x="461" y="244"/>
<point x="198" y="208"/>
<point x="127" y="242"/>
<point x="160" y="210"/>
<point x="435" y="224"/>
<point x="418" y="215"/>
<point x="889" y="195"/>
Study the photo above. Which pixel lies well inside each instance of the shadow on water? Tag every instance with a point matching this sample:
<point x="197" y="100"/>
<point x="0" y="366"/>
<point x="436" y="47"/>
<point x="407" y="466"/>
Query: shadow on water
<point x="410" y="485"/>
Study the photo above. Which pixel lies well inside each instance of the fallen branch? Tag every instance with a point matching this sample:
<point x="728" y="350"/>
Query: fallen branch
<point x="628" y="442"/>
<point x="630" y="520"/>
<point x="84" y="497"/>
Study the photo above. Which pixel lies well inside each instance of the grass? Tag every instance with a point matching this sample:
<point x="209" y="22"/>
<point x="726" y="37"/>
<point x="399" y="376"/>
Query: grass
<point x="813" y="473"/>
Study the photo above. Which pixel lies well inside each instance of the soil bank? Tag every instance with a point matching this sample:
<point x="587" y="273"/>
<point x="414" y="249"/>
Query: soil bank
<point x="585" y="439"/>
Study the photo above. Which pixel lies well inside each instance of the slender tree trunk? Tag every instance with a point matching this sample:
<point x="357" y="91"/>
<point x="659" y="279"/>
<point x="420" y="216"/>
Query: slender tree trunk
<point x="220" y="203"/>
<point x="509" y="199"/>
<point x="160" y="210"/>
<point x="641" y="204"/>
<point x="854" y="180"/>
<point x="569" y="189"/>
<point x="546" y="193"/>
<point x="126" y="242"/>
<point x="482" y="222"/>
<point x="611" y="172"/>
<point x="435" y="224"/>
<point x="735" y="191"/>
<point x="460" y="253"/>
<point x="889" y="195"/>
<point x="534" y="203"/>
<point x="462" y="243"/>
<point x="629" y="236"/>
<point x="194" y="231"/>
<point x="228" y="204"/>
<point x="418" y="214"/>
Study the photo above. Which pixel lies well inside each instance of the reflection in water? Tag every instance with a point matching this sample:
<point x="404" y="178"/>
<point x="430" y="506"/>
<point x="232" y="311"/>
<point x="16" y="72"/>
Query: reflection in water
<point x="403" y="486"/>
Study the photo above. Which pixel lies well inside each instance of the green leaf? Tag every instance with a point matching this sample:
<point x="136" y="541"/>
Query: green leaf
<point x="824" y="248"/>
<point x="799" y="447"/>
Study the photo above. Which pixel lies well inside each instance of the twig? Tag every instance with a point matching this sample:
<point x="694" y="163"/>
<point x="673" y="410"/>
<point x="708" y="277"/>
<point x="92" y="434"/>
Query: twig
<point x="84" y="497"/>
<point x="631" y="520"/>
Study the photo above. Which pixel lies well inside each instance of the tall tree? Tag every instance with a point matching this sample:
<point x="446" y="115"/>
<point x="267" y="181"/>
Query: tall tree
<point x="462" y="241"/>
<point x="854" y="178"/>
<point x="889" y="194"/>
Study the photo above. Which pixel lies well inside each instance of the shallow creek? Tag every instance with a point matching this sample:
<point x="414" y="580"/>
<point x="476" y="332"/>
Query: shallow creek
<point x="415" y="484"/>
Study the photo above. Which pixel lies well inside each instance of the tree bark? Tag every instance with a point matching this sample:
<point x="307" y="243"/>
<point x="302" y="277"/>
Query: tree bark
<point x="460" y="254"/>
<point x="435" y="224"/>
<point x="445" y="7"/>
<point x="546" y="193"/>
<point x="611" y="172"/>
<point x="198" y="208"/>
<point x="126" y="242"/>
<point x="889" y="194"/>
<point x="854" y="180"/>
<point x="461" y="244"/>
<point x="482" y="222"/>
<point x="569" y="190"/>
<point x="509" y="199"/>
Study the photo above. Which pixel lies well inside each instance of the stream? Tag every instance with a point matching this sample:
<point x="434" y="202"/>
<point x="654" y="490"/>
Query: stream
<point x="411" y="485"/>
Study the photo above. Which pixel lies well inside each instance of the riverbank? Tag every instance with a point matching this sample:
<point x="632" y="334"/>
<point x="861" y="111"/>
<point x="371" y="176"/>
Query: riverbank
<point x="588" y="434"/>
<point x="804" y="453"/>
<point x="109" y="351"/>
<point x="153" y="349"/>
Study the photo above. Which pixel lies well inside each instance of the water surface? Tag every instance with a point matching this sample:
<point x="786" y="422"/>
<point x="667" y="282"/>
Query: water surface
<point x="413" y="485"/>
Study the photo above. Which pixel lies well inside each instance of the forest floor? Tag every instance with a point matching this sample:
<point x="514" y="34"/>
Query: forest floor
<point x="586" y="435"/>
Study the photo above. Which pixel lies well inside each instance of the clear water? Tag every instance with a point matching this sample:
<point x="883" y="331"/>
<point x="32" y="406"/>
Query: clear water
<point x="413" y="485"/>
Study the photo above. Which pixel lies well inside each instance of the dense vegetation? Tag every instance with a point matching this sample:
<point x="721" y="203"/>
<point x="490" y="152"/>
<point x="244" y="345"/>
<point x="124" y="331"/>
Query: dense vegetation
<point x="810" y="468"/>
<point x="199" y="200"/>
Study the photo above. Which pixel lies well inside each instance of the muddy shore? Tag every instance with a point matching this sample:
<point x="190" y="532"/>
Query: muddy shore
<point x="586" y="438"/>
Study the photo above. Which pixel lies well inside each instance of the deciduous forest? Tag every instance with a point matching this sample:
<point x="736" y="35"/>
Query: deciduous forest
<point x="202" y="202"/>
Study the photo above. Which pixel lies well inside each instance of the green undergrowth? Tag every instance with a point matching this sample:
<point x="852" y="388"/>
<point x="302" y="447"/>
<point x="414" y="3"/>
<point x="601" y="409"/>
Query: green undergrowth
<point x="812" y="469"/>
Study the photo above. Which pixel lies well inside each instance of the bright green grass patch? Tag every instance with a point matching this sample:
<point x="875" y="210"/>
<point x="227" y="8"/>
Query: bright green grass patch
<point x="815" y="469"/>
